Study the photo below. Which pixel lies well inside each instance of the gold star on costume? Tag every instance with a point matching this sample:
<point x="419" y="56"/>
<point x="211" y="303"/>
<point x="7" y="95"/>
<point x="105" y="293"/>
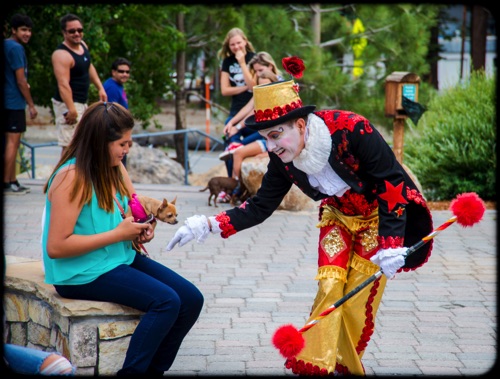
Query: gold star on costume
<point x="399" y="211"/>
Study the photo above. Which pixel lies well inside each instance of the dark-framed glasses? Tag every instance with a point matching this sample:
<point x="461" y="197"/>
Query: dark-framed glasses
<point x="73" y="31"/>
<point x="123" y="71"/>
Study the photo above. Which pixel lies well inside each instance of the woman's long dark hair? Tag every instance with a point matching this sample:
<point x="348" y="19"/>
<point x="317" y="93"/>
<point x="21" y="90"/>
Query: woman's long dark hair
<point x="100" y="124"/>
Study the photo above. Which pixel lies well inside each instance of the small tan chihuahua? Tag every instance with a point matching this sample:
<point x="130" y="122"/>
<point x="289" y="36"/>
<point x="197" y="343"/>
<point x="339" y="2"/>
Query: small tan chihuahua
<point x="163" y="210"/>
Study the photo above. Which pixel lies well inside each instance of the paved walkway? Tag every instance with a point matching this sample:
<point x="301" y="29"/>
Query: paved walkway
<point x="439" y="320"/>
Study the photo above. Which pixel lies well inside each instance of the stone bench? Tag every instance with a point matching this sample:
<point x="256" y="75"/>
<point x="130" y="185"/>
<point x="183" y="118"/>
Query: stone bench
<point x="93" y="335"/>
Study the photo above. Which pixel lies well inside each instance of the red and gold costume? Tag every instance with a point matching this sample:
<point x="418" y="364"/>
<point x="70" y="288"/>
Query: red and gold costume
<point x="381" y="209"/>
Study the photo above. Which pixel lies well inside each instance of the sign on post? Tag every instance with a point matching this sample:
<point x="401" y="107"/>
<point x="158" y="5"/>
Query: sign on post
<point x="397" y="85"/>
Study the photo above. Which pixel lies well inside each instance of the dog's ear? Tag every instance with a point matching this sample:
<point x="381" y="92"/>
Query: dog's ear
<point x="164" y="204"/>
<point x="173" y="201"/>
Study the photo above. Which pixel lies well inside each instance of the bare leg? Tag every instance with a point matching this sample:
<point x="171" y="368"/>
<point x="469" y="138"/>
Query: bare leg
<point x="12" y="142"/>
<point x="250" y="150"/>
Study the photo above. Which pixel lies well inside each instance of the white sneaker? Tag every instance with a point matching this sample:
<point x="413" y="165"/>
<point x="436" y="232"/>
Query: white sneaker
<point x="19" y="186"/>
<point x="12" y="189"/>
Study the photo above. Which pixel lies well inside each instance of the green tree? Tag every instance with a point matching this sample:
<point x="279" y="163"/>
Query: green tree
<point x="137" y="32"/>
<point x="397" y="39"/>
<point x="206" y="28"/>
<point x="453" y="148"/>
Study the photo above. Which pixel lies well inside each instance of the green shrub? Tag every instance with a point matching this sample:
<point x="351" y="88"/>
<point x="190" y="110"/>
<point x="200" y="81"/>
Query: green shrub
<point x="453" y="148"/>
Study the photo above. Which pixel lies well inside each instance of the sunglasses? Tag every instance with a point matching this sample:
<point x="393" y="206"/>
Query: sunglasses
<point x="73" y="31"/>
<point x="123" y="71"/>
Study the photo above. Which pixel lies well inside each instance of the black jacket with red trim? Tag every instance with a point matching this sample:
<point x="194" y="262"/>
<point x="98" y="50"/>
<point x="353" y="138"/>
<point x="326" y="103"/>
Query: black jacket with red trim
<point x="363" y="159"/>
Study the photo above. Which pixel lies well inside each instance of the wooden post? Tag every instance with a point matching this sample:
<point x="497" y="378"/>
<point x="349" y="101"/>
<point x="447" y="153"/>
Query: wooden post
<point x="398" y="138"/>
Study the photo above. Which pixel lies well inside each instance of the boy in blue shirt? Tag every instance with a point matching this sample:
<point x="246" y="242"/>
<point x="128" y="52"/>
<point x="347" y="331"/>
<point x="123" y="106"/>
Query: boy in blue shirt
<point x="16" y="95"/>
<point x="120" y="73"/>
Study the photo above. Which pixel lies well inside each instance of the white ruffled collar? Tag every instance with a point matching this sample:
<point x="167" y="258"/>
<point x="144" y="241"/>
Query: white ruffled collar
<point x="313" y="159"/>
<point x="318" y="146"/>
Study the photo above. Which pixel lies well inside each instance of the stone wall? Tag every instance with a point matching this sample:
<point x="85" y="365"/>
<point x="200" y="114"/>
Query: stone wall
<point x="93" y="335"/>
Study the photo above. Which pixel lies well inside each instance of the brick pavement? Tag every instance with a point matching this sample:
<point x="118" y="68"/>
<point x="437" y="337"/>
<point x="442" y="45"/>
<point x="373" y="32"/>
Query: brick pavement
<point x="439" y="320"/>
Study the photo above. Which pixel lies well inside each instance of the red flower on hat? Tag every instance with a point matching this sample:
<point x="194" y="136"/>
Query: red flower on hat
<point x="294" y="66"/>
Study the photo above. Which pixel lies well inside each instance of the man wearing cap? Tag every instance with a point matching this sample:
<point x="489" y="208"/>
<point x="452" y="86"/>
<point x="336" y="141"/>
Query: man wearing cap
<point x="370" y="212"/>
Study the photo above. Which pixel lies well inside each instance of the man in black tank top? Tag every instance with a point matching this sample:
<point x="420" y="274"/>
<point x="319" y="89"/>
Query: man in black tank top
<point x="74" y="72"/>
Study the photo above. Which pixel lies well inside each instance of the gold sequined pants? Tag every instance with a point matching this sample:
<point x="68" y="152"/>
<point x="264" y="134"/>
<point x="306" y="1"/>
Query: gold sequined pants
<point x="337" y="342"/>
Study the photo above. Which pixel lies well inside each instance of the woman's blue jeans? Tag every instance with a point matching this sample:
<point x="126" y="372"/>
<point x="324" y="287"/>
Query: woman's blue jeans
<point x="171" y="304"/>
<point x="25" y="360"/>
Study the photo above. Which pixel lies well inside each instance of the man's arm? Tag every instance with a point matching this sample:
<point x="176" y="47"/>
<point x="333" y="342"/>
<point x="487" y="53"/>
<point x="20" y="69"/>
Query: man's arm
<point x="61" y="63"/>
<point x="94" y="78"/>
<point x="24" y="87"/>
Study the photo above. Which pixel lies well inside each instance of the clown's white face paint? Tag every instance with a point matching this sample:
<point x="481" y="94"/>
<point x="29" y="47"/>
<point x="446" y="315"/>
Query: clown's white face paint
<point x="284" y="140"/>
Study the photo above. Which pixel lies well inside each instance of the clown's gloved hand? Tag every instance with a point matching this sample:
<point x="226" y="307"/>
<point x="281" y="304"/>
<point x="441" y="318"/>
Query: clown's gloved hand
<point x="197" y="227"/>
<point x="390" y="260"/>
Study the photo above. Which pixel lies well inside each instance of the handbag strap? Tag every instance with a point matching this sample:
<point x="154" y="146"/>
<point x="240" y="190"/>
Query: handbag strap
<point x="122" y="211"/>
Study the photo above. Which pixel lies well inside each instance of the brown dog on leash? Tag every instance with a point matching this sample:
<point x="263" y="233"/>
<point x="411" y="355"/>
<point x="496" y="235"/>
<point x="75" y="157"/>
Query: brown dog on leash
<point x="226" y="184"/>
<point x="163" y="210"/>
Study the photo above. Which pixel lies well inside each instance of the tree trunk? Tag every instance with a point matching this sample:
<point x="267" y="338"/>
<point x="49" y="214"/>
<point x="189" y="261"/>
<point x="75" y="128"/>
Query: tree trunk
<point x="433" y="58"/>
<point x="180" y="96"/>
<point x="478" y="37"/>
<point x="316" y="23"/>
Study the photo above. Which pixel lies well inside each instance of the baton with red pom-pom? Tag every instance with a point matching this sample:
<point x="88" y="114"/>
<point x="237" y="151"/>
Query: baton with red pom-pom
<point x="468" y="209"/>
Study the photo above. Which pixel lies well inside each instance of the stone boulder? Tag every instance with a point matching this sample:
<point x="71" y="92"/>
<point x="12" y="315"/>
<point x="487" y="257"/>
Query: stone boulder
<point x="252" y="172"/>
<point x="153" y="166"/>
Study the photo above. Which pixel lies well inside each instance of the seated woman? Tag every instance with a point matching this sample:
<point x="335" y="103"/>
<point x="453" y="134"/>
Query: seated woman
<point x="87" y="242"/>
<point x="254" y="148"/>
<point x="234" y="130"/>
<point x="265" y="71"/>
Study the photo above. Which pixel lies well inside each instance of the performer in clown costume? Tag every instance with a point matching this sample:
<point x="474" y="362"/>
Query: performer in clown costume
<point x="370" y="212"/>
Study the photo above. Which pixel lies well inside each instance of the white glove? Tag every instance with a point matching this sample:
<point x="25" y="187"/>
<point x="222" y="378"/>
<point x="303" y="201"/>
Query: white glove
<point x="390" y="260"/>
<point x="196" y="227"/>
<point x="215" y="225"/>
<point x="182" y="236"/>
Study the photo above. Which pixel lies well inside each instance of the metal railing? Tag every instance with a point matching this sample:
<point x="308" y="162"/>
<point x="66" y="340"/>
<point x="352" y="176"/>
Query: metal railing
<point x="33" y="147"/>
<point x="201" y="136"/>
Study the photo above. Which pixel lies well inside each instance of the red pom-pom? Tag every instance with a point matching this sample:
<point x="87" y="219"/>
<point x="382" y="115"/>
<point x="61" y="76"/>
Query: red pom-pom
<point x="469" y="208"/>
<point x="288" y="340"/>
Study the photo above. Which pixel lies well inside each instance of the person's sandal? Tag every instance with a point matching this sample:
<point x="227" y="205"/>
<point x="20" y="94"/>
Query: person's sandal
<point x="226" y="155"/>
<point x="225" y="200"/>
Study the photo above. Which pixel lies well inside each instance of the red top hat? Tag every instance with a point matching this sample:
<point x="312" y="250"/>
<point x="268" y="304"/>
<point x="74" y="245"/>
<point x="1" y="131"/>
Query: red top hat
<point x="279" y="102"/>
